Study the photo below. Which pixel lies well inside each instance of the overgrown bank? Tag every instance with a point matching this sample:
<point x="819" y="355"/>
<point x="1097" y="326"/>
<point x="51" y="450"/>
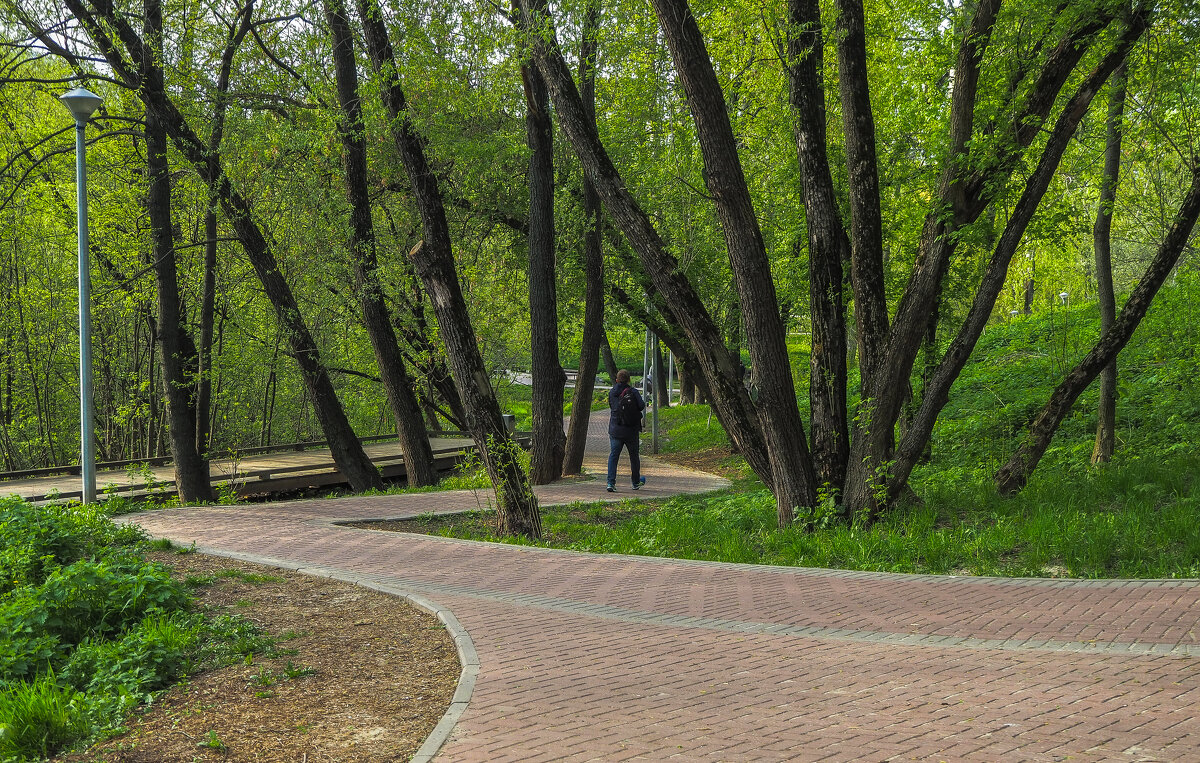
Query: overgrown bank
<point x="89" y="629"/>
<point x="1138" y="516"/>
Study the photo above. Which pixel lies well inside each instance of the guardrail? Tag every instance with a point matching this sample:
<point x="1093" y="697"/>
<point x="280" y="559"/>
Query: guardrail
<point x="268" y="478"/>
<point x="257" y="450"/>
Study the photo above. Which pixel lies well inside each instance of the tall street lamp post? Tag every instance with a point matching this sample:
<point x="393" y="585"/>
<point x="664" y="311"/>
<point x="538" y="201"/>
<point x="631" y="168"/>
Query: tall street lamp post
<point x="82" y="104"/>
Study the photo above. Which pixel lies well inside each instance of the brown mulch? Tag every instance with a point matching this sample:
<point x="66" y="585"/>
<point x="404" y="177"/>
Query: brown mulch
<point x="382" y="675"/>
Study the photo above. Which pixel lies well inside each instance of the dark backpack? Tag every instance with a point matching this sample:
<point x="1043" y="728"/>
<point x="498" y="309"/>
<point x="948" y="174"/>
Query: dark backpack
<point x="629" y="412"/>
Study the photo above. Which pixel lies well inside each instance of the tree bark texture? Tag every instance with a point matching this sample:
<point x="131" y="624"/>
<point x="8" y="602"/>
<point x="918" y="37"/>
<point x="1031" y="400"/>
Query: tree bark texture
<point x="593" y="265"/>
<point x="433" y="261"/>
<point x="344" y="445"/>
<point x="827" y="247"/>
<point x="794" y="483"/>
<point x="175" y="350"/>
<point x="661" y="382"/>
<point x="397" y="384"/>
<point x="1106" y="422"/>
<point x="733" y="406"/>
<point x="549" y="442"/>
<point x="866" y="225"/>
<point x="1015" y="474"/>
<point x="610" y="363"/>
<point x="937" y="388"/>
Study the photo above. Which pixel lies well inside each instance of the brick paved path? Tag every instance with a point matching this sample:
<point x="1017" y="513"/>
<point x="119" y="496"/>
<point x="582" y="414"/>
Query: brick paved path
<point x="594" y="657"/>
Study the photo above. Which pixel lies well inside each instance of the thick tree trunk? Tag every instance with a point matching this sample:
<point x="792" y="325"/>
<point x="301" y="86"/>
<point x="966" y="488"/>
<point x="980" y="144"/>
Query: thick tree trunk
<point x="793" y="481"/>
<point x="434" y="263"/>
<point x="1106" y="423"/>
<point x="191" y="471"/>
<point x="866" y="225"/>
<point x="397" y="385"/>
<point x="827" y="247"/>
<point x="733" y="405"/>
<point x="593" y="266"/>
<point x="1015" y="474"/>
<point x="549" y="442"/>
<point x="687" y="390"/>
<point x="344" y="445"/>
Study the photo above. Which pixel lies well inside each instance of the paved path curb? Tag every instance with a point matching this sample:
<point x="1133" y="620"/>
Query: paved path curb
<point x="603" y="657"/>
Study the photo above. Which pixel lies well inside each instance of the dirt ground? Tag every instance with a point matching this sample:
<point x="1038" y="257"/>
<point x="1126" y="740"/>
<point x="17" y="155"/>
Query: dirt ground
<point x="718" y="460"/>
<point x="370" y="677"/>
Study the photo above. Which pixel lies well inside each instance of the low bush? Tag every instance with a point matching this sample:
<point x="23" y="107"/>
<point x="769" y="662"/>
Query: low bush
<point x="89" y="629"/>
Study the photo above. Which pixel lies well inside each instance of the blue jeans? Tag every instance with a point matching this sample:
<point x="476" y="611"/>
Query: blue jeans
<point x="614" y="454"/>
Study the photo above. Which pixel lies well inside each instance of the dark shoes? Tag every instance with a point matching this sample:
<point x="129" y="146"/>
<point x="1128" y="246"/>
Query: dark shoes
<point x="612" y="488"/>
<point x="638" y="485"/>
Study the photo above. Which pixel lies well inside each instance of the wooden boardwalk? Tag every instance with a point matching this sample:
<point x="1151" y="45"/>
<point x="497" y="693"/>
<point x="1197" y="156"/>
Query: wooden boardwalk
<point x="250" y="475"/>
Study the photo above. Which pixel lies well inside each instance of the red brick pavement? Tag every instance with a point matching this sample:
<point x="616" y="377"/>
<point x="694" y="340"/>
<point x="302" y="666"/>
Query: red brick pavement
<point x="609" y="658"/>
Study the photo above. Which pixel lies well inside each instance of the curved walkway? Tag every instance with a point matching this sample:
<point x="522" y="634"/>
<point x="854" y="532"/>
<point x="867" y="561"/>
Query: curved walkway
<point x="609" y="658"/>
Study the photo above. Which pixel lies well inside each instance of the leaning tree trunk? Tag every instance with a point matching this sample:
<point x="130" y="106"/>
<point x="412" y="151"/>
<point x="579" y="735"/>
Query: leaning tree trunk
<point x="1015" y="474"/>
<point x="397" y="385"/>
<point x="1106" y="424"/>
<point x="549" y="442"/>
<point x="593" y="266"/>
<point x="793" y="481"/>
<point x="606" y="354"/>
<point x="434" y="264"/>
<point x="344" y="445"/>
<point x="191" y="471"/>
<point x="966" y="191"/>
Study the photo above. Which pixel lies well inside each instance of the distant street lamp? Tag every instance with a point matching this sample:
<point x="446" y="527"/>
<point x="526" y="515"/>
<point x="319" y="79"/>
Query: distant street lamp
<point x="1063" y="296"/>
<point x="82" y="104"/>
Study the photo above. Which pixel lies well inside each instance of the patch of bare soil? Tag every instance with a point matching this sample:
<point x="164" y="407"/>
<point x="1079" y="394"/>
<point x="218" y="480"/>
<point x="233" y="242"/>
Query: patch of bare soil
<point x="719" y="460"/>
<point x="369" y="679"/>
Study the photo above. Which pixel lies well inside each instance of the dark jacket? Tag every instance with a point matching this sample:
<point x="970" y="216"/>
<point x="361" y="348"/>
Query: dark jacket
<point x="614" y="429"/>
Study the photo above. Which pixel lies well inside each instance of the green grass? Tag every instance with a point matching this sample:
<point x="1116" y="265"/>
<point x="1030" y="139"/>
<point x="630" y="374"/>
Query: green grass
<point x="1137" y="517"/>
<point x="1153" y="531"/>
<point x="89" y="629"/>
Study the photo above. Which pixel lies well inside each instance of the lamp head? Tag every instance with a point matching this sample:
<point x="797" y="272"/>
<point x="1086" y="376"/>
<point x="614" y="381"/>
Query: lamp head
<point x="81" y="103"/>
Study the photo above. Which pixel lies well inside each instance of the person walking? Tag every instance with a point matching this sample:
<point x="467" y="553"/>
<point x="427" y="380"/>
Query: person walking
<point x="624" y="428"/>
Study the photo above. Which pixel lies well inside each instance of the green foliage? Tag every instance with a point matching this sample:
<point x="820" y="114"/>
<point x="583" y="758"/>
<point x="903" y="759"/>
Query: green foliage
<point x="690" y="428"/>
<point x="36" y="540"/>
<point x="89" y="630"/>
<point x="39" y="718"/>
<point x="1135" y="523"/>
